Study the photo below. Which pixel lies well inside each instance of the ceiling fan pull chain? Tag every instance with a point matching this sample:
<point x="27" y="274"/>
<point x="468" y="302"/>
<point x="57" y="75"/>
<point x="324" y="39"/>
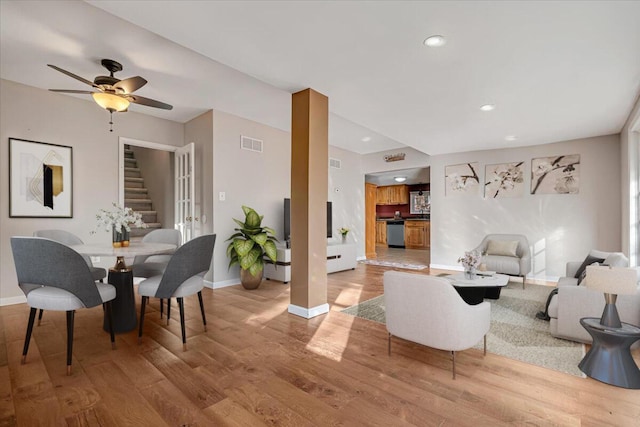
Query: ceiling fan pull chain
<point x="110" y="121"/>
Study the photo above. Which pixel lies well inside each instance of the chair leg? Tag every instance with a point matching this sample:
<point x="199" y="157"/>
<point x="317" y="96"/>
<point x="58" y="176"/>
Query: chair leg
<point x="142" y="307"/>
<point x="168" y="309"/>
<point x="40" y="316"/>
<point x="485" y="345"/>
<point x="389" y="345"/>
<point x="70" y="317"/>
<point x="161" y="307"/>
<point x="184" y="336"/>
<point x="204" y="318"/>
<point x="107" y="307"/>
<point x="524" y="279"/>
<point x="27" y="338"/>
<point x="453" y="354"/>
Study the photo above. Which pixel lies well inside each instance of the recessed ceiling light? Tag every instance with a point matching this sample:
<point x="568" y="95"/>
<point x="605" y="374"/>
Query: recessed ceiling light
<point x="488" y="107"/>
<point x="510" y="137"/>
<point x="435" y="41"/>
<point x="366" y="139"/>
<point x="400" y="178"/>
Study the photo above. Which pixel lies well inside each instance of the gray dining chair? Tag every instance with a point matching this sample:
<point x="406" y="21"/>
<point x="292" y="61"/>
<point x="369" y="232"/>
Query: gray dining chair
<point x="153" y="265"/>
<point x="184" y="276"/>
<point x="70" y="239"/>
<point x="55" y="277"/>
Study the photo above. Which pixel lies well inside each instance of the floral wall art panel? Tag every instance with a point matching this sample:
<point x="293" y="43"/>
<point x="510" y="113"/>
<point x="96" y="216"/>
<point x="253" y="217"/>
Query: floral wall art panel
<point x="40" y="180"/>
<point x="504" y="180"/>
<point x="461" y="179"/>
<point x="555" y="175"/>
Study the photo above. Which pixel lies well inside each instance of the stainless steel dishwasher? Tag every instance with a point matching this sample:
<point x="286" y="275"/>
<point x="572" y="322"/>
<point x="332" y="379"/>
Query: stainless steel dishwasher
<point x="395" y="234"/>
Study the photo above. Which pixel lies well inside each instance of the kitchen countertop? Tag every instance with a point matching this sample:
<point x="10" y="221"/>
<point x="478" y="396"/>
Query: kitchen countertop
<point x="403" y="219"/>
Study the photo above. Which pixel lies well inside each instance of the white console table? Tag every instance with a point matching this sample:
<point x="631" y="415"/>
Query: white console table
<point x="340" y="256"/>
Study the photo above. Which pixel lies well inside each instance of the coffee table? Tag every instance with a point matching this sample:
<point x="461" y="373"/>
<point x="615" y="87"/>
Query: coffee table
<point x="474" y="291"/>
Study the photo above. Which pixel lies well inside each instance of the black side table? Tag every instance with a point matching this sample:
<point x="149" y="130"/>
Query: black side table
<point x="123" y="306"/>
<point x="609" y="359"/>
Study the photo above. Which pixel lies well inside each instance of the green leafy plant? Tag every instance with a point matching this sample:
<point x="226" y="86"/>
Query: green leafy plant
<point x="251" y="242"/>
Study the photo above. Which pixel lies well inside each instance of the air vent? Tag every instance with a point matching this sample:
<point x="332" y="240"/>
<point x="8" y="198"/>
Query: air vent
<point x="335" y="163"/>
<point x="251" y="144"/>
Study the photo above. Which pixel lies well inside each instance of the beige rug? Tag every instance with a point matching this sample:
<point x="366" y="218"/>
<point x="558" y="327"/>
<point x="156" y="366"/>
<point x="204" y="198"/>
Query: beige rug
<point x="515" y="331"/>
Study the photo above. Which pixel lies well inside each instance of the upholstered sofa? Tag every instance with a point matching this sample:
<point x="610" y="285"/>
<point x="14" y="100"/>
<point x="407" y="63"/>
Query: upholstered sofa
<point x="506" y="254"/>
<point x="574" y="302"/>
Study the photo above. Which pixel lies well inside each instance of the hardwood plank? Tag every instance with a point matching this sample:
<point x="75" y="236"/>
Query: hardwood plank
<point x="231" y="414"/>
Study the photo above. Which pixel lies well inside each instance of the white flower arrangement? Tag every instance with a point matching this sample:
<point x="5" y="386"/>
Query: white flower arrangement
<point x="471" y="259"/>
<point x="119" y="218"/>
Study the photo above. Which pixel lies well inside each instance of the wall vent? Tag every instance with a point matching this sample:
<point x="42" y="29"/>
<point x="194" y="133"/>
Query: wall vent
<point x="335" y="163"/>
<point x="251" y="144"/>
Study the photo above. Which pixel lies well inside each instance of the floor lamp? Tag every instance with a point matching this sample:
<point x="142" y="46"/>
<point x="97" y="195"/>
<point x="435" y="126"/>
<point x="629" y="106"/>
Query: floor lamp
<point x="609" y="360"/>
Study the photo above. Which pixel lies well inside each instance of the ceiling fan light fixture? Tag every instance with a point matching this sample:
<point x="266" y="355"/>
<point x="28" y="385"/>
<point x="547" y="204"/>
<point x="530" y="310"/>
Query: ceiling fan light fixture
<point x="110" y="102"/>
<point x="435" y="41"/>
<point x="400" y="178"/>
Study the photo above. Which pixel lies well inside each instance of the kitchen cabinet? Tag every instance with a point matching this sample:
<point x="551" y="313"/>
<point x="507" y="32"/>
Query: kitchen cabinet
<point x="381" y="232"/>
<point x="417" y="234"/>
<point x="392" y="195"/>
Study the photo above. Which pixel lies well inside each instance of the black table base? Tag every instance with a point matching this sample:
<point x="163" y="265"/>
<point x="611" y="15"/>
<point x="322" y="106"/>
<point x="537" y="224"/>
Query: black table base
<point x="125" y="318"/>
<point x="474" y="295"/>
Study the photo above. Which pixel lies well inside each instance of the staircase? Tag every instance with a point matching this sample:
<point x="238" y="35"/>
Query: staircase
<point x="136" y="196"/>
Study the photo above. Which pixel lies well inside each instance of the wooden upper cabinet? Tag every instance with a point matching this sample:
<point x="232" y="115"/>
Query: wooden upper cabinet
<point x="392" y="195"/>
<point x="417" y="234"/>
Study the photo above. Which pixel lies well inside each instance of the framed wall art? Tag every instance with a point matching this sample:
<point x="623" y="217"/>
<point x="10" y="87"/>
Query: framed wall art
<point x="555" y="175"/>
<point x="504" y="180"/>
<point x="461" y="179"/>
<point x="40" y="180"/>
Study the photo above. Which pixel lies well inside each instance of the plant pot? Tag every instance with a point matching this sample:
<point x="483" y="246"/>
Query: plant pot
<point x="248" y="281"/>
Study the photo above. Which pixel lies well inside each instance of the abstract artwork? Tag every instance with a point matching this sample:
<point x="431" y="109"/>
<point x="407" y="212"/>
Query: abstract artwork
<point x="461" y="179"/>
<point x="40" y="180"/>
<point x="504" y="180"/>
<point x="555" y="175"/>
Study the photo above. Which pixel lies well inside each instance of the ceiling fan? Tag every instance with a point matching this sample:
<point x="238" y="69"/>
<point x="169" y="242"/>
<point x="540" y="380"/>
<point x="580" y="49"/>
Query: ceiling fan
<point x="113" y="94"/>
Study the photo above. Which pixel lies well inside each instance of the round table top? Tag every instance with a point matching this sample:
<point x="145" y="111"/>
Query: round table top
<point x="134" y="249"/>
<point x="497" y="280"/>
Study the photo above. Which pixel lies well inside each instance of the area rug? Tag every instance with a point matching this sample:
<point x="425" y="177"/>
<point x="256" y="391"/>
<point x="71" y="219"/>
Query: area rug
<point x="515" y="332"/>
<point x="394" y="264"/>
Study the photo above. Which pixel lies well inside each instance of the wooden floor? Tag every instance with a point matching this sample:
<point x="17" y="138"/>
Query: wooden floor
<point x="258" y="365"/>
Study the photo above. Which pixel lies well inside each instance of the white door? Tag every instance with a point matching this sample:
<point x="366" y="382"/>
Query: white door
<point x="185" y="191"/>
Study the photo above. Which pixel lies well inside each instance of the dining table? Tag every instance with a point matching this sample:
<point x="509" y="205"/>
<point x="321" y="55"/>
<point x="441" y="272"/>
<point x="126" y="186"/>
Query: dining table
<point x="125" y="318"/>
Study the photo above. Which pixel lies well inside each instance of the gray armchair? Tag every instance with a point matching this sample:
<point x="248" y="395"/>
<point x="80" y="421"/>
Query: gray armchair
<point x="506" y="254"/>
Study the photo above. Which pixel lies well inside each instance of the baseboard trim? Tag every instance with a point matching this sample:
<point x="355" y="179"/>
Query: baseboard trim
<point x="221" y="283"/>
<point x="309" y="313"/>
<point x="20" y="299"/>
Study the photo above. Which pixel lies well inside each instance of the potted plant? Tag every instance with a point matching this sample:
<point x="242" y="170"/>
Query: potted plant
<point x="249" y="244"/>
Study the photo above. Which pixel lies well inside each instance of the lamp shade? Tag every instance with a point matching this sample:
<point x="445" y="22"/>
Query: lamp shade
<point x="110" y="102"/>
<point x="612" y="280"/>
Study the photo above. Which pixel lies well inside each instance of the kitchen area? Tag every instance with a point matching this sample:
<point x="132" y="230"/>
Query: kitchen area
<point x="403" y="209"/>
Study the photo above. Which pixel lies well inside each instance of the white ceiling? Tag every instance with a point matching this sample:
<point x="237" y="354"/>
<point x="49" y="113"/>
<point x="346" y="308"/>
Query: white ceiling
<point x="413" y="176"/>
<point x="554" y="70"/>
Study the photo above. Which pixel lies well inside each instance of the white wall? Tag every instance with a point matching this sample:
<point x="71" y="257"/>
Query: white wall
<point x="259" y="180"/>
<point x="40" y="115"/>
<point x="560" y="228"/>
<point x="346" y="192"/>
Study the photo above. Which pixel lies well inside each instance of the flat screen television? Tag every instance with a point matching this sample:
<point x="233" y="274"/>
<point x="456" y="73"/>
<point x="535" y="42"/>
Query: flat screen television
<point x="287" y="219"/>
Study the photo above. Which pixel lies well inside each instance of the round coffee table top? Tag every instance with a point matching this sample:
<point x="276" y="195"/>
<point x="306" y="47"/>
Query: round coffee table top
<point x="497" y="280"/>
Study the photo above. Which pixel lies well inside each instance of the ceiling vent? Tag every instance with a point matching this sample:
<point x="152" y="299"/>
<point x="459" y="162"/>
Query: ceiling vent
<point x="335" y="163"/>
<point x="251" y="144"/>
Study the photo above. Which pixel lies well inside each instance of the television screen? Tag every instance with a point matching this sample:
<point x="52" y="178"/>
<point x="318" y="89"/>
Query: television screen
<point x="287" y="219"/>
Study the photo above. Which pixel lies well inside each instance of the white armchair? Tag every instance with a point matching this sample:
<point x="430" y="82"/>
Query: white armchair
<point x="506" y="254"/>
<point x="429" y="311"/>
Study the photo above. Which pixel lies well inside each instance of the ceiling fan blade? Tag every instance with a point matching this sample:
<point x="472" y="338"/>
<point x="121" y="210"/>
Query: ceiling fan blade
<point x="71" y="91"/>
<point x="70" y="74"/>
<point x="148" y="102"/>
<point x="131" y="84"/>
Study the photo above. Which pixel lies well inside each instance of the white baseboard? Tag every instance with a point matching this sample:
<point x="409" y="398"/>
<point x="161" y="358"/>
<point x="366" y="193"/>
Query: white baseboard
<point x="13" y="300"/>
<point x="308" y="313"/>
<point x="221" y="283"/>
<point x="361" y="258"/>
